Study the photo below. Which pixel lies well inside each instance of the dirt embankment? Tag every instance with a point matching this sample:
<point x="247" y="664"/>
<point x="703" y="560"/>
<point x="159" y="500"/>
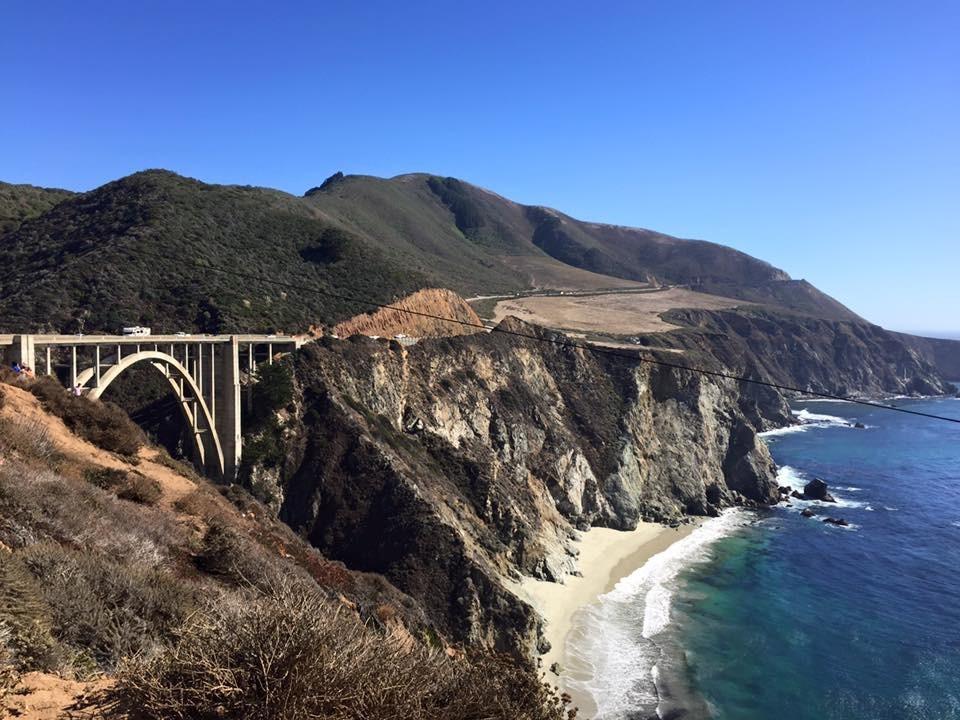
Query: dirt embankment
<point x="402" y="317"/>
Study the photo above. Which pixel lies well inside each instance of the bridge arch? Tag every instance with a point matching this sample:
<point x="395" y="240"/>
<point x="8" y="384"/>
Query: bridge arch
<point x="206" y="382"/>
<point x="193" y="406"/>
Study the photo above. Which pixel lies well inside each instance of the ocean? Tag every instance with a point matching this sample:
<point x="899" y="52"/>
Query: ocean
<point x="770" y="615"/>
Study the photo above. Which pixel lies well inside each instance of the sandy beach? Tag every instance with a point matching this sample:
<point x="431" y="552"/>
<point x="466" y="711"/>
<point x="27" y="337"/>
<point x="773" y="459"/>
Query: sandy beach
<point x="606" y="556"/>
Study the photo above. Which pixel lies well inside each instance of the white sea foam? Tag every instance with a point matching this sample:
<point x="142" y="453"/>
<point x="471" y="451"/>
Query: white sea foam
<point x="796" y="480"/>
<point x="620" y="665"/>
<point x="809" y="420"/>
<point x="788" y="430"/>
<point x="805" y="416"/>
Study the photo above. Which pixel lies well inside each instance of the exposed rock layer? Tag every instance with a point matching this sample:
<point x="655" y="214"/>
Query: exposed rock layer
<point x="451" y="465"/>
<point x="411" y="316"/>
<point x="813" y="354"/>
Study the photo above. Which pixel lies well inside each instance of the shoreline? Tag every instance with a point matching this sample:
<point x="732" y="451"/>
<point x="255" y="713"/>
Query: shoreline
<point x="606" y="557"/>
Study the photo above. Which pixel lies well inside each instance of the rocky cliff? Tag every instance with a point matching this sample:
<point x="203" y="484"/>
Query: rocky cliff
<point x="814" y="354"/>
<point x="453" y="465"/>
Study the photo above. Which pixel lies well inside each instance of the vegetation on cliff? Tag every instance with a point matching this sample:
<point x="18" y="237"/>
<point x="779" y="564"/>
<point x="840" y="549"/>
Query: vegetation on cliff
<point x="193" y="601"/>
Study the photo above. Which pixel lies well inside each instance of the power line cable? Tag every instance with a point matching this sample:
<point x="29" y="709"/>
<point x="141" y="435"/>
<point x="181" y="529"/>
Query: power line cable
<point x="566" y="342"/>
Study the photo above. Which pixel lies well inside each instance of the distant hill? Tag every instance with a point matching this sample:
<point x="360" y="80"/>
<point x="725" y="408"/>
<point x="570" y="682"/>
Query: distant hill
<point x="408" y="211"/>
<point x="23" y="202"/>
<point x="139" y="250"/>
<point x="158" y="249"/>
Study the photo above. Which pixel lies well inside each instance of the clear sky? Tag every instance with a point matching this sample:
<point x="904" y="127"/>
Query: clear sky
<point x="821" y="136"/>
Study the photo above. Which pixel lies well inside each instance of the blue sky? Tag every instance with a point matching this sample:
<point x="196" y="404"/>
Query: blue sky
<point x="821" y="136"/>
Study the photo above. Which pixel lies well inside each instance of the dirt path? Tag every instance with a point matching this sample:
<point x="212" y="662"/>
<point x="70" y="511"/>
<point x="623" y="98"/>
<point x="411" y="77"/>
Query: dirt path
<point x="44" y="696"/>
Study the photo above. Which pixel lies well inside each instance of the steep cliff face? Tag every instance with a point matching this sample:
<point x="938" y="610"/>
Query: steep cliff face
<point x="814" y="354"/>
<point x="452" y="465"/>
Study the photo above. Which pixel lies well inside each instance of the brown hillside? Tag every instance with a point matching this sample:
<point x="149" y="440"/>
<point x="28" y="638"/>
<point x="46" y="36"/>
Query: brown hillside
<point x="388" y="322"/>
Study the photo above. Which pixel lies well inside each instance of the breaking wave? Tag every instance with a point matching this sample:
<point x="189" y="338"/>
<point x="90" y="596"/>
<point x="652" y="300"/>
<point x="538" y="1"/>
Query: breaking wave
<point x="606" y="656"/>
<point x="807" y="420"/>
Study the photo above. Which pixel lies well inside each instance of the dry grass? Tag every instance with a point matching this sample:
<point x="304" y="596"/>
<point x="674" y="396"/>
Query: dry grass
<point x="289" y="653"/>
<point x="28" y="440"/>
<point x="104" y="610"/>
<point x="38" y="505"/>
<point x="8" y="672"/>
<point x="28" y="643"/>
<point x="546" y="272"/>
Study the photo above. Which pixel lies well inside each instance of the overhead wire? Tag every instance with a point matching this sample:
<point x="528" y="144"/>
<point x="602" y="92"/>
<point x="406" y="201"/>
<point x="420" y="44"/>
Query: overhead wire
<point x="564" y="341"/>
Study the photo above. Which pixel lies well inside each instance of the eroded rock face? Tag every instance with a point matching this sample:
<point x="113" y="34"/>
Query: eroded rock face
<point x="809" y="353"/>
<point x="454" y="464"/>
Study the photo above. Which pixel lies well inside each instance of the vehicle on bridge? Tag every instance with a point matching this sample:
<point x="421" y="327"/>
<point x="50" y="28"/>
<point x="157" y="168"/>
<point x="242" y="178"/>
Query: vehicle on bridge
<point x="136" y="330"/>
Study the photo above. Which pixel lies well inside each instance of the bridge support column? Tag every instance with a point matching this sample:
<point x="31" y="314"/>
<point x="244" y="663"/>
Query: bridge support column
<point x="22" y="351"/>
<point x="227" y="404"/>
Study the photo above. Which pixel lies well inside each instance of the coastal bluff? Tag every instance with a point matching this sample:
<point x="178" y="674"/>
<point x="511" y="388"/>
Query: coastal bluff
<point x="457" y="465"/>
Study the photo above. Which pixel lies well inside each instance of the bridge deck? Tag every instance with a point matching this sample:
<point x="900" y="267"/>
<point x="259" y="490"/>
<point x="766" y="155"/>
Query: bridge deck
<point x="43" y="340"/>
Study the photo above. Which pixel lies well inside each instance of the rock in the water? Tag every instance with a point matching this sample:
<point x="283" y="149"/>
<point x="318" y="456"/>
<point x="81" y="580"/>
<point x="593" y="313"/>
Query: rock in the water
<point x="836" y="521"/>
<point x="859" y="426"/>
<point x="807" y="513"/>
<point x="798" y="496"/>
<point x="816" y="489"/>
<point x="785" y="489"/>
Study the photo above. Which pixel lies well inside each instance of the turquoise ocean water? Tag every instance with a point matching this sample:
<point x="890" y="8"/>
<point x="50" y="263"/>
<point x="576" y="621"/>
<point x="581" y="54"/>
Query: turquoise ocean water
<point x="772" y="616"/>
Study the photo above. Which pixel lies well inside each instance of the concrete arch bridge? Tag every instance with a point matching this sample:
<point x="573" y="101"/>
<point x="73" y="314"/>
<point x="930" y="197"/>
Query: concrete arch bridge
<point x="203" y="372"/>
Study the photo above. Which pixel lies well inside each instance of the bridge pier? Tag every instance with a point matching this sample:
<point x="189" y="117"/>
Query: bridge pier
<point x="225" y="395"/>
<point x="22" y="351"/>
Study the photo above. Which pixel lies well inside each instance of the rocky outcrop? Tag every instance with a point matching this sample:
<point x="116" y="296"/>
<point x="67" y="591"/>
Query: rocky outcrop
<point x="455" y="464"/>
<point x="411" y="316"/>
<point x="816" y="489"/>
<point x="811" y="354"/>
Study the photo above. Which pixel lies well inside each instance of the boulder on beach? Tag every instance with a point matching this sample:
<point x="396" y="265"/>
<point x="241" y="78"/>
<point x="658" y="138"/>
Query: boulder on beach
<point x="816" y="489"/>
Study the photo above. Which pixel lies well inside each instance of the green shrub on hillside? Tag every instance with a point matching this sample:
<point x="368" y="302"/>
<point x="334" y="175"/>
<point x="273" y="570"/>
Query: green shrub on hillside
<point x="103" y="424"/>
<point x="126" y="485"/>
<point x="176" y="254"/>
<point x="25" y="620"/>
<point x="272" y="391"/>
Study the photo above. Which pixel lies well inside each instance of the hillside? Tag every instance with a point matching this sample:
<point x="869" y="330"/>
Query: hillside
<point x="158" y="249"/>
<point x="24" y="202"/>
<point x="131" y="588"/>
<point x="413" y="204"/>
<point x="173" y="253"/>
